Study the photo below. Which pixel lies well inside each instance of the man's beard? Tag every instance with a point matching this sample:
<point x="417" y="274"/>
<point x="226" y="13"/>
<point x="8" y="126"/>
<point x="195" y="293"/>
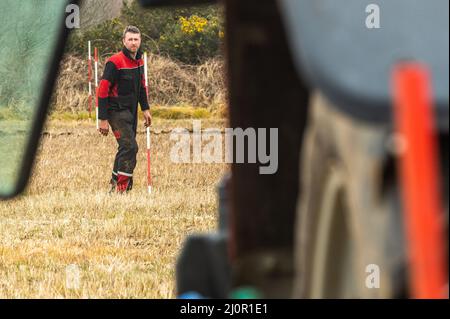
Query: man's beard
<point x="132" y="49"/>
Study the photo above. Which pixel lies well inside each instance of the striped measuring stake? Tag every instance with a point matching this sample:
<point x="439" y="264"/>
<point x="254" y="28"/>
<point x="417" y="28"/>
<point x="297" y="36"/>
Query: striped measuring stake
<point x="96" y="84"/>
<point x="149" y="174"/>
<point x="89" y="79"/>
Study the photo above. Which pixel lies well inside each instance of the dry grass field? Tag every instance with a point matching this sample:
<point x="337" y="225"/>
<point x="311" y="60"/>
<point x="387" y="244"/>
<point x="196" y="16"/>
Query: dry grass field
<point x="122" y="246"/>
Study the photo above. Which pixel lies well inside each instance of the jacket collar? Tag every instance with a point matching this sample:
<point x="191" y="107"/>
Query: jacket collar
<point x="127" y="53"/>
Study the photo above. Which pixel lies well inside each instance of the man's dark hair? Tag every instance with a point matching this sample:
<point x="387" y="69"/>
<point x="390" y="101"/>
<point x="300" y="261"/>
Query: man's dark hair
<point x="131" y="29"/>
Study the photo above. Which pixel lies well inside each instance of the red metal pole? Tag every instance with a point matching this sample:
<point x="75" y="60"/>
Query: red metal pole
<point x="423" y="214"/>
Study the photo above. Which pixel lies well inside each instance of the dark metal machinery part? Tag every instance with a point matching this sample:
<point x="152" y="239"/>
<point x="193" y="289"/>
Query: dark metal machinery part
<point x="264" y="92"/>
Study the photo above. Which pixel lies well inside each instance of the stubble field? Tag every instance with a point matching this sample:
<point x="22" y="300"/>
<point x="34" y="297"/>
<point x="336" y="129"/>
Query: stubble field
<point x="66" y="237"/>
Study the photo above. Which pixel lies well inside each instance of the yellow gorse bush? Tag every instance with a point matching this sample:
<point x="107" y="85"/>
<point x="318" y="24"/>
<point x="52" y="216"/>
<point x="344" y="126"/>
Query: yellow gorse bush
<point x="192" y="25"/>
<point x="193" y="38"/>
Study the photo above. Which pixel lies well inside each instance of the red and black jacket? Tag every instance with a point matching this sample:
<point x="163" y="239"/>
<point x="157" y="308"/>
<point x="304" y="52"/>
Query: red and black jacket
<point x="122" y="85"/>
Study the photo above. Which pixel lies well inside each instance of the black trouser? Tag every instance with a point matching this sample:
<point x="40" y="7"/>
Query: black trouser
<point x="123" y="124"/>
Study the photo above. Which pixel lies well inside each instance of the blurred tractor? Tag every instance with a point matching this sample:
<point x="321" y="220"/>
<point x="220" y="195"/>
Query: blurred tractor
<point x="359" y="205"/>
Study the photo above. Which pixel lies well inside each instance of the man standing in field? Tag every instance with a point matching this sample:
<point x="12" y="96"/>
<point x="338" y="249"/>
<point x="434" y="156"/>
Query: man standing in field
<point x="121" y="88"/>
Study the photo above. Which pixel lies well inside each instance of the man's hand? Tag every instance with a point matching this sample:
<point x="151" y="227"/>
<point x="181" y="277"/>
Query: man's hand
<point x="103" y="127"/>
<point x="147" y="118"/>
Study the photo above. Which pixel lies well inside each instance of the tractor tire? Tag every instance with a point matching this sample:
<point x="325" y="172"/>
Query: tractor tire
<point x="349" y="241"/>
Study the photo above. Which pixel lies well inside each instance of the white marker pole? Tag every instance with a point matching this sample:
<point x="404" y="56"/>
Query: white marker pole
<point x="96" y="84"/>
<point x="149" y="174"/>
<point x="89" y="78"/>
